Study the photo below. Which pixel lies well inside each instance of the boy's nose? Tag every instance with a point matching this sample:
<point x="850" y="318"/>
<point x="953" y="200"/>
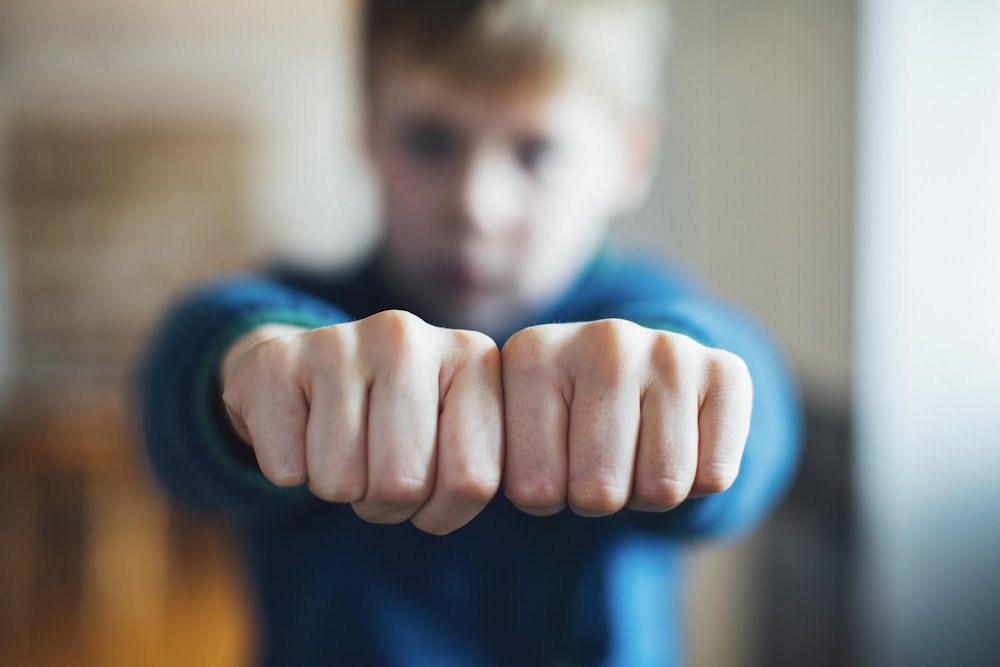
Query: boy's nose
<point x="488" y="195"/>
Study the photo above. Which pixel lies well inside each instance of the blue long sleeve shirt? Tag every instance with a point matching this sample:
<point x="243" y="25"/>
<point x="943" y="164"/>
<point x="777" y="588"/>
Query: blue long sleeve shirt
<point x="508" y="588"/>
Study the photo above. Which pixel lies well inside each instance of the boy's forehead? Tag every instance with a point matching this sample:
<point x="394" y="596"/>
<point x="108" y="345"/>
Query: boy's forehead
<point x="441" y="80"/>
<point x="429" y="86"/>
<point x="413" y="87"/>
<point x="492" y="47"/>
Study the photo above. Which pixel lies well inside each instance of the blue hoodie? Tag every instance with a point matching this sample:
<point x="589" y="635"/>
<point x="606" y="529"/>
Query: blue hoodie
<point x="508" y="589"/>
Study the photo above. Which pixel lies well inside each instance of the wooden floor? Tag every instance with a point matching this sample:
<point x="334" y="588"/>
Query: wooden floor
<point x="201" y="619"/>
<point x="95" y="568"/>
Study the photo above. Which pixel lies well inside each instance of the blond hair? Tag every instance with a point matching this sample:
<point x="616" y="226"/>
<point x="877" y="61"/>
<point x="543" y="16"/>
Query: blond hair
<point x="497" y="45"/>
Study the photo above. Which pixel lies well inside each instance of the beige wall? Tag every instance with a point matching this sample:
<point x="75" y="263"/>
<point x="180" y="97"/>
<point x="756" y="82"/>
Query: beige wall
<point x="269" y="83"/>
<point x="756" y="189"/>
<point x="756" y="194"/>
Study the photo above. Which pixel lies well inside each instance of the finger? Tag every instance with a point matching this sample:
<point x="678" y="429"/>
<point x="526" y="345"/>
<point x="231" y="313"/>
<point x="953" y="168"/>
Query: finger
<point x="724" y="424"/>
<point x="603" y="431"/>
<point x="470" y="444"/>
<point x="536" y="427"/>
<point x="236" y="419"/>
<point x="402" y="425"/>
<point x="668" y="447"/>
<point x="336" y="434"/>
<point x="274" y="410"/>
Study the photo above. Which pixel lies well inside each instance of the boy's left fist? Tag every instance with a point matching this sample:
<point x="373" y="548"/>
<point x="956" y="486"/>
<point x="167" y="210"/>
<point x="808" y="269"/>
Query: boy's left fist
<point x="607" y="414"/>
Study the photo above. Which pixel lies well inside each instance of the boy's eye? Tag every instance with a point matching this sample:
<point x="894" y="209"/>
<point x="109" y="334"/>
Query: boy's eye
<point x="429" y="141"/>
<point x="533" y="153"/>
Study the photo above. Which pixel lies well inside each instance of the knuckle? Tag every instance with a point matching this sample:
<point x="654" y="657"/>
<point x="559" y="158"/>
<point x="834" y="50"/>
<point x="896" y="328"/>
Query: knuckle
<point x="232" y="398"/>
<point x="526" y="350"/>
<point x="608" y="335"/>
<point x="274" y="354"/>
<point x="398" y="490"/>
<point x="597" y="498"/>
<point x="729" y="370"/>
<point x="535" y="494"/>
<point x="327" y="342"/>
<point x="671" y="351"/>
<point x="396" y="328"/>
<point x="475" y="346"/>
<point x="282" y="476"/>
<point x="662" y="353"/>
<point x="472" y="340"/>
<point x="270" y="363"/>
<point x="472" y="486"/>
<point x="433" y="526"/>
<point x="400" y="321"/>
<point x="729" y="391"/>
<point x="612" y="331"/>
<point x="663" y="492"/>
<point x="372" y="513"/>
<point x="715" y="479"/>
<point x="337" y="492"/>
<point x="607" y="344"/>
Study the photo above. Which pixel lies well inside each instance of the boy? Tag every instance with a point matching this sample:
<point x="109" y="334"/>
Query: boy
<point x="486" y="445"/>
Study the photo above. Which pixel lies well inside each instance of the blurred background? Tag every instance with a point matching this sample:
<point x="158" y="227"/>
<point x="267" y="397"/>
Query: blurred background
<point x="831" y="165"/>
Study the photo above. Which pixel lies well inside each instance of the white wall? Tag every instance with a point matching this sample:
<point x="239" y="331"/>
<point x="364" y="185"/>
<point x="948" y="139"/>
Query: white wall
<point x="928" y="333"/>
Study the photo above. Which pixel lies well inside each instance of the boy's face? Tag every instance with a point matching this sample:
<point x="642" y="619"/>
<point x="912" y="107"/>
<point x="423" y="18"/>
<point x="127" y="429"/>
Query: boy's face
<point x="493" y="204"/>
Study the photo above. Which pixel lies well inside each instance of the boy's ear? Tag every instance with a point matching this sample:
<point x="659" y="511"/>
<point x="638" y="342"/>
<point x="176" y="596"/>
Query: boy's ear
<point x="642" y="137"/>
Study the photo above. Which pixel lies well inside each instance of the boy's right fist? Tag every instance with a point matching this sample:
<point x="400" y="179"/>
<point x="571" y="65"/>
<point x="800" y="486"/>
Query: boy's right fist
<point x="401" y="419"/>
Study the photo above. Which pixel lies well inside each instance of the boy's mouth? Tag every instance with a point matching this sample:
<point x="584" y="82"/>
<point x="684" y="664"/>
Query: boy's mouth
<point x="465" y="280"/>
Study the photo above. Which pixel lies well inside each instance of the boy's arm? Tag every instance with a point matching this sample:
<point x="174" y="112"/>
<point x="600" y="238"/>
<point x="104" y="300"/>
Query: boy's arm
<point x="190" y="444"/>
<point x="197" y="453"/>
<point x="637" y="415"/>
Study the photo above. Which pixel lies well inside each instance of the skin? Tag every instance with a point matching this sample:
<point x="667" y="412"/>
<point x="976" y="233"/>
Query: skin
<point x="493" y="204"/>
